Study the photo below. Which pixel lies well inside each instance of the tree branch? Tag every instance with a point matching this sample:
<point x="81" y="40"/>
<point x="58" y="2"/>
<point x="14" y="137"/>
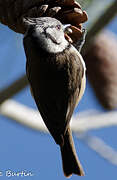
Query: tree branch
<point x="14" y="88"/>
<point x="100" y="147"/>
<point x="31" y="118"/>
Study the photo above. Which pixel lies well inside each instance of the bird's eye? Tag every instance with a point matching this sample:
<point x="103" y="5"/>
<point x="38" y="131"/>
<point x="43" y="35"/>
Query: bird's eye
<point x="58" y="27"/>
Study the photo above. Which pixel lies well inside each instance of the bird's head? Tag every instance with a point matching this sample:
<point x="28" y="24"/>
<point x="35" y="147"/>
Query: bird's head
<point x="48" y="32"/>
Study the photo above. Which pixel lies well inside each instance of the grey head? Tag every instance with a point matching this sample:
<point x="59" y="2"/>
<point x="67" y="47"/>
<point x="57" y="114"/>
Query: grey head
<point x="48" y="32"/>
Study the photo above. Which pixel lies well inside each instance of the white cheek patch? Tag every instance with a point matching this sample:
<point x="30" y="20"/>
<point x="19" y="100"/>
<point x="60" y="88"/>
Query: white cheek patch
<point x="56" y="36"/>
<point x="55" y="48"/>
<point x="48" y="44"/>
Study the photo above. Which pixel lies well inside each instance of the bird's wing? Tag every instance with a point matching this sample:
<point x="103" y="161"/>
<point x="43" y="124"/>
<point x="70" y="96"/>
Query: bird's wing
<point x="49" y="87"/>
<point x="77" y="82"/>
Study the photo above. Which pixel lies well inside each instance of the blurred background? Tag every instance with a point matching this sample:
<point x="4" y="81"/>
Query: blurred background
<point x="29" y="150"/>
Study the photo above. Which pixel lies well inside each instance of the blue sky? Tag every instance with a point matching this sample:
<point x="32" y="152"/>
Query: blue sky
<point x="24" y="149"/>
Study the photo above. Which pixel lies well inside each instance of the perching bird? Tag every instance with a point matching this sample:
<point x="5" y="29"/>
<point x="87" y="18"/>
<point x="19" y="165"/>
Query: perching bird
<point x="56" y="73"/>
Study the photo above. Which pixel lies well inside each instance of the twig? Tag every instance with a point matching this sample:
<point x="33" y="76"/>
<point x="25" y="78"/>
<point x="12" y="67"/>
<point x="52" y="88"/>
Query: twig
<point x="100" y="147"/>
<point x="22" y="114"/>
<point x="14" y="88"/>
<point x="31" y="118"/>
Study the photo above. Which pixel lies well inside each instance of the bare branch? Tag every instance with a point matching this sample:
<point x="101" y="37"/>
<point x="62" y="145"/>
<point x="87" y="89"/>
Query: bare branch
<point x="100" y="147"/>
<point x="23" y="115"/>
<point x="31" y="118"/>
<point x="95" y="121"/>
<point x="13" y="88"/>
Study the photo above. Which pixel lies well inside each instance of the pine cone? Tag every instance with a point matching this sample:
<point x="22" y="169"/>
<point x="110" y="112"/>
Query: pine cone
<point x="67" y="11"/>
<point x="101" y="62"/>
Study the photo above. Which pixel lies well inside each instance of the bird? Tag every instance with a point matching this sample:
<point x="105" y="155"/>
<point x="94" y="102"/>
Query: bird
<point x="56" y="74"/>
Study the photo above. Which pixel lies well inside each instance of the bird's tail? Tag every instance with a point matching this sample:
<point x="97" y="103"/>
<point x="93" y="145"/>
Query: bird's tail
<point x="71" y="164"/>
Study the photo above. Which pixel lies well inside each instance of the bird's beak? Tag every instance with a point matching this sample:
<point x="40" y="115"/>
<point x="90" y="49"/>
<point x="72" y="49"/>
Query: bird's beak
<point x="67" y="29"/>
